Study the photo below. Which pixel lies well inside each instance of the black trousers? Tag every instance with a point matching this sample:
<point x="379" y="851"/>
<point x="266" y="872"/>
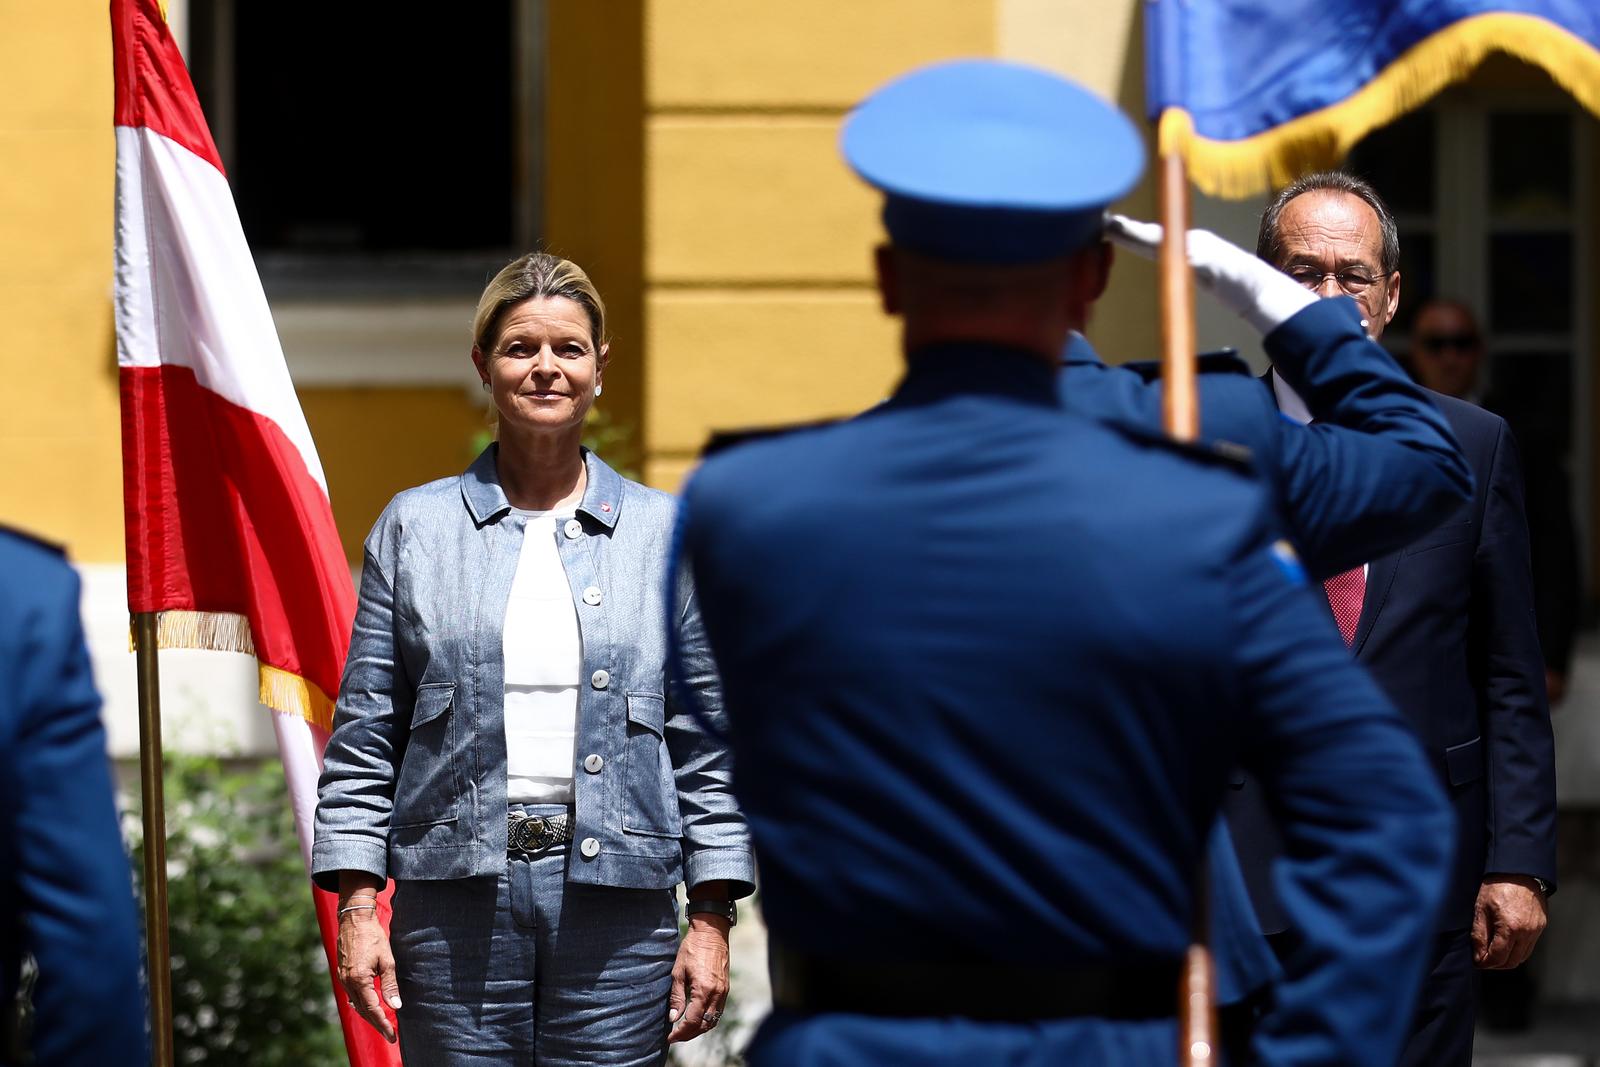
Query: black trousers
<point x="1447" y="1007"/>
<point x="1441" y="1028"/>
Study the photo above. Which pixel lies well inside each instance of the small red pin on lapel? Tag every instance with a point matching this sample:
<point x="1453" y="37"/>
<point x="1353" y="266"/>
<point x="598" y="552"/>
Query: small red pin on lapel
<point x="604" y="506"/>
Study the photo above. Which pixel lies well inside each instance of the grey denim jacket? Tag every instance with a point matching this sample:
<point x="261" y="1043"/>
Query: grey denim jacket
<point x="414" y="775"/>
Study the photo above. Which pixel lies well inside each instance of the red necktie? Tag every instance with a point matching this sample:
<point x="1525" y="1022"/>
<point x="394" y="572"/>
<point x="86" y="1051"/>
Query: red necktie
<point x="1345" y="594"/>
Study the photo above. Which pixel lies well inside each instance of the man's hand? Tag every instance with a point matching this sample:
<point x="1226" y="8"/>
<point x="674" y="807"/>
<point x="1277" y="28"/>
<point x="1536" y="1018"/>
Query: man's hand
<point x="364" y="956"/>
<point x="699" y="978"/>
<point x="1507" y="921"/>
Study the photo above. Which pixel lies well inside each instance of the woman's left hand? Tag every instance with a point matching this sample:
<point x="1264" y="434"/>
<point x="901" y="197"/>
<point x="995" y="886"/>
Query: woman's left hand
<point x="699" y="978"/>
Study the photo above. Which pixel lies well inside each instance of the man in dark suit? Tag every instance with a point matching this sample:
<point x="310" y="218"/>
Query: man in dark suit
<point x="1446" y="627"/>
<point x="66" y="897"/>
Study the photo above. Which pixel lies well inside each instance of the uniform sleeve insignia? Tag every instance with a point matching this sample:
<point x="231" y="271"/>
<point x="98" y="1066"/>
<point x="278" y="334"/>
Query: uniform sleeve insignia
<point x="1288" y="561"/>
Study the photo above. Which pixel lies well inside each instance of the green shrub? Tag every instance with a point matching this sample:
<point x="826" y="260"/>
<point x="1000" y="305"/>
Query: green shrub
<point x="250" y="982"/>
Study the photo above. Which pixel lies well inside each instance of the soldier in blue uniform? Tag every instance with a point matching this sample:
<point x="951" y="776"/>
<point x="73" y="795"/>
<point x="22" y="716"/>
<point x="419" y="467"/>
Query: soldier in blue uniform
<point x="66" y="897"/>
<point x="988" y="662"/>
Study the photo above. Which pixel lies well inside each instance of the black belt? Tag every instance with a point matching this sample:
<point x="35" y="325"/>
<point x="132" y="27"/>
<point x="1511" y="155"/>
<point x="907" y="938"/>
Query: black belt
<point x="989" y="991"/>
<point x="530" y="835"/>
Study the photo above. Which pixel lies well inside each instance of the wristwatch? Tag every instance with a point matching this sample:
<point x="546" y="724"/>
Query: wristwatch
<point x="727" y="909"/>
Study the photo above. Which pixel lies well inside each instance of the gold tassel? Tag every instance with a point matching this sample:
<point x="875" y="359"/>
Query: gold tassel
<point x="224" y="632"/>
<point x="1275" y="157"/>
<point x="294" y="695"/>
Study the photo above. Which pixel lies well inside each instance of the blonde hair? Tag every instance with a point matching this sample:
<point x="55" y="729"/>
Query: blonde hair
<point x="532" y="275"/>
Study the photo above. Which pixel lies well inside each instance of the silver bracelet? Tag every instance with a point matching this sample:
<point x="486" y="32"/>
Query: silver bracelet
<point x="357" y="907"/>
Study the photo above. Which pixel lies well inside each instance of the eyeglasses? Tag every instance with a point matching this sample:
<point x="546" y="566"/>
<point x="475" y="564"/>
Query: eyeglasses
<point x="1354" y="282"/>
<point x="1460" y="342"/>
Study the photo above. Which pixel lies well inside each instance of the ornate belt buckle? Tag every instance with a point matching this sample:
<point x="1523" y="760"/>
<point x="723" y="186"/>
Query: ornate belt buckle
<point x="526" y="834"/>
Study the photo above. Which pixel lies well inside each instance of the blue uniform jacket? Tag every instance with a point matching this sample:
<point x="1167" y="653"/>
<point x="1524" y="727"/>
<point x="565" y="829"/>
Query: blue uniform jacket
<point x="987" y="666"/>
<point x="1379" y="469"/>
<point x="66" y="894"/>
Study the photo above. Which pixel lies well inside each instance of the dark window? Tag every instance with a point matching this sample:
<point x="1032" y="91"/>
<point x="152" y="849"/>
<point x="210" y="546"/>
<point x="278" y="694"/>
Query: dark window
<point x="1530" y="165"/>
<point x="1398" y="160"/>
<point x="369" y="147"/>
<point x="1530" y="282"/>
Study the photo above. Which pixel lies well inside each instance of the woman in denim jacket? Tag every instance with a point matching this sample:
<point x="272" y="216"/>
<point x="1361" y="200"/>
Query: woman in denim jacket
<point x="506" y="748"/>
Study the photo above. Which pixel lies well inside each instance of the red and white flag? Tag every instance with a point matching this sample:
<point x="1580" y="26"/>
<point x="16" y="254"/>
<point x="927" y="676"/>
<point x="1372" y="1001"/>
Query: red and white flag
<point x="230" y="533"/>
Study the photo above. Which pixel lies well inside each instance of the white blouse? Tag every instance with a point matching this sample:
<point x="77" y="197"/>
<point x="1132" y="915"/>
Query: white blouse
<point x="543" y="657"/>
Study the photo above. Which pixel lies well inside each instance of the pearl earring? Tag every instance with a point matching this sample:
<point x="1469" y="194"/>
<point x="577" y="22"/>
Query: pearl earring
<point x="485" y="385"/>
<point x="598" y="390"/>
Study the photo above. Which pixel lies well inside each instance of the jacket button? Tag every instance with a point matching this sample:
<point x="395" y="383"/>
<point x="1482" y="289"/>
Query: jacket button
<point x="600" y="679"/>
<point x="573" y="529"/>
<point x="592" y="763"/>
<point x="591" y="595"/>
<point x="590" y="848"/>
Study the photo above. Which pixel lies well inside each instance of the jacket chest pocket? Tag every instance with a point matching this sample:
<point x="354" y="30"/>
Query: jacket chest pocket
<point x="1449" y="535"/>
<point x="428" y="788"/>
<point x="650" y="790"/>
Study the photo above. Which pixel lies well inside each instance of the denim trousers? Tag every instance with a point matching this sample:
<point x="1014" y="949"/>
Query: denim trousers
<point x="528" y="968"/>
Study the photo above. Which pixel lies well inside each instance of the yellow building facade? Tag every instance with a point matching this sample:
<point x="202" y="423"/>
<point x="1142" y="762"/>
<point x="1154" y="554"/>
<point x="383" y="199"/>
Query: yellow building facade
<point x="686" y="156"/>
<point x="689" y="162"/>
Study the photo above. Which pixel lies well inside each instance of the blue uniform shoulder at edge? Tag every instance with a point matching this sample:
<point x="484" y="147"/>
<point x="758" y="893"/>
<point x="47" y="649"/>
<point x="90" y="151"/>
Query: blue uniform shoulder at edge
<point x="29" y="562"/>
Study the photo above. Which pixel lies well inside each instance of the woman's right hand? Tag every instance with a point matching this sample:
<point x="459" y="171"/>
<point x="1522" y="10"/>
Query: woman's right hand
<point x="364" y="956"/>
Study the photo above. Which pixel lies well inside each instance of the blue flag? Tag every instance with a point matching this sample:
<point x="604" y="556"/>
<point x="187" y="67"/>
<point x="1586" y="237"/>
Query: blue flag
<point x="1258" y="91"/>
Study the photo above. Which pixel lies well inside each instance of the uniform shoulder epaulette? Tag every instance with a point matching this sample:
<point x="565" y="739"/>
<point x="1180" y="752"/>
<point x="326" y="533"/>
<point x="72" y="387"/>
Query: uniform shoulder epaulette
<point x="33" y="540"/>
<point x="1222" y="361"/>
<point x="1214" y="452"/>
<point x="722" y="440"/>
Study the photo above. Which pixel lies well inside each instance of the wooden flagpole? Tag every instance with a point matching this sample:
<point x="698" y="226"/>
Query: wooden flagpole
<point x="1180" y="414"/>
<point x="1180" y="407"/>
<point x="158" y="954"/>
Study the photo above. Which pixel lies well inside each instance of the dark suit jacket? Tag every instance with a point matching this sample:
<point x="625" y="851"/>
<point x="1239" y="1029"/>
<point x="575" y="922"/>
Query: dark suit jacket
<point x="1552" y="532"/>
<point x="65" y="892"/>
<point x="1447" y="630"/>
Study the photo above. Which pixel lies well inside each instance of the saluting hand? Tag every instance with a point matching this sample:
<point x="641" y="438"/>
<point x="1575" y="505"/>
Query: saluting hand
<point x="1255" y="290"/>
<point x="1506" y="922"/>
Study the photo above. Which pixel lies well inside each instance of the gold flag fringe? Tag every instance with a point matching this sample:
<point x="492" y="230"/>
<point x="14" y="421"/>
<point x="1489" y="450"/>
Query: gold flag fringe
<point x="1238" y="169"/>
<point x="216" y="631"/>
<point x="294" y="695"/>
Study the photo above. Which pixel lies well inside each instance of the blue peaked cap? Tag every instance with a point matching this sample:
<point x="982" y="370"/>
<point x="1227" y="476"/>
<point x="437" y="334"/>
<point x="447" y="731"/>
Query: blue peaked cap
<point x="987" y="161"/>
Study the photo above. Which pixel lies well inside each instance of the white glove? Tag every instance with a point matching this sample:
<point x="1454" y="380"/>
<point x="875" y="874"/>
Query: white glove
<point x="1253" y="289"/>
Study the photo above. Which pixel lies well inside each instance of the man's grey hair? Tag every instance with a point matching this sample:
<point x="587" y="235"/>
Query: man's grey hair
<point x="1269" y="240"/>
